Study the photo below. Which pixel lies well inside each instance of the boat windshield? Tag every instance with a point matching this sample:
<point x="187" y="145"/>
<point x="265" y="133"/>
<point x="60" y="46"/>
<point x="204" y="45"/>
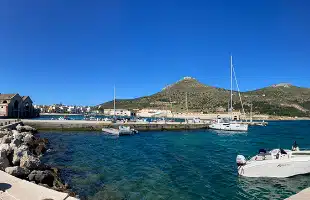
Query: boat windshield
<point x="282" y="151"/>
<point x="225" y="120"/>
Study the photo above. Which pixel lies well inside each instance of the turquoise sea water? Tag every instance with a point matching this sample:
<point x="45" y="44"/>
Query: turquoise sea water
<point x="173" y="165"/>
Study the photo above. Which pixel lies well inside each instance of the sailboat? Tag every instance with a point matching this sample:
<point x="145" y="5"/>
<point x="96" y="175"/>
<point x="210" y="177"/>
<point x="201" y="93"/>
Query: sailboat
<point x="122" y="130"/>
<point x="228" y="124"/>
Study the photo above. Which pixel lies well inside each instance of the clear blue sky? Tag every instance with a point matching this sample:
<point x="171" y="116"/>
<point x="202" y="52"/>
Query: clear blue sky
<point x="75" y="51"/>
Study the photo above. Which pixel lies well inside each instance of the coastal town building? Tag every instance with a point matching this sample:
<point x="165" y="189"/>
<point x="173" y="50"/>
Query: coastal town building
<point x="16" y="106"/>
<point x="64" y="109"/>
<point x="235" y="115"/>
<point x="118" y="112"/>
<point x="153" y="113"/>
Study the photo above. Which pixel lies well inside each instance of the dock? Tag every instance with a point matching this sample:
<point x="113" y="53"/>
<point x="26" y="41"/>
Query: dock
<point x="9" y="123"/>
<point x="302" y="195"/>
<point x="81" y="125"/>
<point x="12" y="188"/>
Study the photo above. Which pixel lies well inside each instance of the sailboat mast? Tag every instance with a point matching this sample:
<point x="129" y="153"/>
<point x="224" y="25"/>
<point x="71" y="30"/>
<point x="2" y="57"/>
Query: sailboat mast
<point x="186" y="103"/>
<point x="231" y="85"/>
<point x="114" y="102"/>
<point x="251" y="113"/>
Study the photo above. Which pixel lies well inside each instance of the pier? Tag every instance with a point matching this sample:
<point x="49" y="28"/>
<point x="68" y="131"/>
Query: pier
<point x="9" y="123"/>
<point x="80" y="125"/>
<point x="302" y="195"/>
<point x="12" y="188"/>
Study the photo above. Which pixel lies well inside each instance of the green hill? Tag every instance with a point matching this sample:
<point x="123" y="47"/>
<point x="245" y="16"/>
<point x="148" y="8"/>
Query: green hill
<point x="280" y="99"/>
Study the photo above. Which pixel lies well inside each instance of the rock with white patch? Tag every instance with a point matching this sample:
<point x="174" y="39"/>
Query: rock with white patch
<point x="18" y="171"/>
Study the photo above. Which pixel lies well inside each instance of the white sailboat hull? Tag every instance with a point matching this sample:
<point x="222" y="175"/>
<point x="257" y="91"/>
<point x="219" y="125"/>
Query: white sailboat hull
<point x="229" y="126"/>
<point x="276" y="168"/>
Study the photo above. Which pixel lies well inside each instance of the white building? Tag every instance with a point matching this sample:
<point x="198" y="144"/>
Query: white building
<point x="88" y="109"/>
<point x="71" y="109"/>
<point x="118" y="112"/>
<point x="153" y="113"/>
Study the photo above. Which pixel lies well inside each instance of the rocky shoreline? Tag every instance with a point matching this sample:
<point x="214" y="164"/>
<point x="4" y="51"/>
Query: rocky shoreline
<point x="20" y="153"/>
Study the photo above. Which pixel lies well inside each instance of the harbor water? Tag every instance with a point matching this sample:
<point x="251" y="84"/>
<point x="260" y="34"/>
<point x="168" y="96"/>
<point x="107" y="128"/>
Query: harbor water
<point x="187" y="165"/>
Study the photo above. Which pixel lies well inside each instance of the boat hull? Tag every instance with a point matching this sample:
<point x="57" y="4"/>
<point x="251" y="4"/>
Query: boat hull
<point x="275" y="168"/>
<point x="119" y="132"/>
<point x="229" y="127"/>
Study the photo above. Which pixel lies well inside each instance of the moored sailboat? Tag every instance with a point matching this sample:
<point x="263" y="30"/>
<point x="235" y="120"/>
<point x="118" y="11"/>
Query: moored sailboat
<point x="228" y="124"/>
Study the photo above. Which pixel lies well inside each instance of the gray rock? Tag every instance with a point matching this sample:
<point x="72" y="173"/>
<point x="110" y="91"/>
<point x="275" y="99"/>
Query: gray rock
<point x="21" y="128"/>
<point x="28" y="139"/>
<point x="40" y="149"/>
<point x="5" y="132"/>
<point x="29" y="161"/>
<point x="17" y="135"/>
<point x="6" y="139"/>
<point x="19" y="153"/>
<point x="3" y="153"/>
<point x="16" y="142"/>
<point x="43" y="177"/>
<point x="17" y="171"/>
<point x="4" y="162"/>
<point x="6" y="147"/>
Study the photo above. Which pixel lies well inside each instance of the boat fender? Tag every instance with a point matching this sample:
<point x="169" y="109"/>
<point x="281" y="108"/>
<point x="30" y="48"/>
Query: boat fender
<point x="240" y="160"/>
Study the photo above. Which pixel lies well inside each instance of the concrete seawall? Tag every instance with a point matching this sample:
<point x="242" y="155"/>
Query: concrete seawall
<point x="98" y="125"/>
<point x="302" y="195"/>
<point x="9" y="124"/>
<point x="12" y="188"/>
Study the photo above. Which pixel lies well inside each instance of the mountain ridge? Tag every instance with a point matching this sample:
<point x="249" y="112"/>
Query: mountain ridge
<point x="277" y="99"/>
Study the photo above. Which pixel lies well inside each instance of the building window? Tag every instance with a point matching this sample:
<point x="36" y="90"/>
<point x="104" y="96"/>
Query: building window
<point x="5" y="101"/>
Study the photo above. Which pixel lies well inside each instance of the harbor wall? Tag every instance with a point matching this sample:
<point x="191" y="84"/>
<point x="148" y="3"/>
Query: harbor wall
<point x="9" y="124"/>
<point x="72" y="125"/>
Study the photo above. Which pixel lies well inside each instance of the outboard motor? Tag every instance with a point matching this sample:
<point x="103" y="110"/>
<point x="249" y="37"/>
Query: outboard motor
<point x="240" y="160"/>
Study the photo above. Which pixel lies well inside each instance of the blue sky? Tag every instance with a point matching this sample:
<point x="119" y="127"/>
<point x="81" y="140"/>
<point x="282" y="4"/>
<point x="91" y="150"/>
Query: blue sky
<point x="75" y="51"/>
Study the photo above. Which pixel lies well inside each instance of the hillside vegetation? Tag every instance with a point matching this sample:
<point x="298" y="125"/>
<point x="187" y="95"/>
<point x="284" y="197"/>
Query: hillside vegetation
<point x="280" y="99"/>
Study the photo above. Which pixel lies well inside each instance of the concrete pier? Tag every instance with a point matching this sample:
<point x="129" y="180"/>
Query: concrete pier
<point x="302" y="195"/>
<point x="79" y="125"/>
<point x="12" y="188"/>
<point x="9" y="123"/>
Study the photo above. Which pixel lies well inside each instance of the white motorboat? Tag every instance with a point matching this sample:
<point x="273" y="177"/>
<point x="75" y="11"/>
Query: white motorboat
<point x="278" y="163"/>
<point x="122" y="130"/>
<point x="228" y="125"/>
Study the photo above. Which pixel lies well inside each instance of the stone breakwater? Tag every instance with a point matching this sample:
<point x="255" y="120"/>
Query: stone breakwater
<point x="80" y="125"/>
<point x="20" y="153"/>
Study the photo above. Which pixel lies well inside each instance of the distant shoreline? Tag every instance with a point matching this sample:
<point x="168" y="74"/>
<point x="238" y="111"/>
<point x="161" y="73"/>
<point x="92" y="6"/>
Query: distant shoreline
<point x="47" y="114"/>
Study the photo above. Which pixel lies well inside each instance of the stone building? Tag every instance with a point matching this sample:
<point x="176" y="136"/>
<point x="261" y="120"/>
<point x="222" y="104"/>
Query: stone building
<point x="16" y="106"/>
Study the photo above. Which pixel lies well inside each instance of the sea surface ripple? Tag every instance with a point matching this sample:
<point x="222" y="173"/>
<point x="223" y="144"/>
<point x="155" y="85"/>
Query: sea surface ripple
<point x="173" y="165"/>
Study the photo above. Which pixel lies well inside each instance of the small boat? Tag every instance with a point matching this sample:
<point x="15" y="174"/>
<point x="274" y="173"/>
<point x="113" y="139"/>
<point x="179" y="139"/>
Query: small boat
<point x="278" y="163"/>
<point x="122" y="130"/>
<point x="64" y="118"/>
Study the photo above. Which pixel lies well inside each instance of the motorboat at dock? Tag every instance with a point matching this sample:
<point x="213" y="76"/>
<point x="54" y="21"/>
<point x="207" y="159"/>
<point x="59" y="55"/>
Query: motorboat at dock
<point x="278" y="163"/>
<point x="122" y="130"/>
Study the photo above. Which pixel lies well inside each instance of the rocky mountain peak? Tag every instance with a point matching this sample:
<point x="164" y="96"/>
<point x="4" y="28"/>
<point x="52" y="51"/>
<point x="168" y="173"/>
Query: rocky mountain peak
<point x="185" y="82"/>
